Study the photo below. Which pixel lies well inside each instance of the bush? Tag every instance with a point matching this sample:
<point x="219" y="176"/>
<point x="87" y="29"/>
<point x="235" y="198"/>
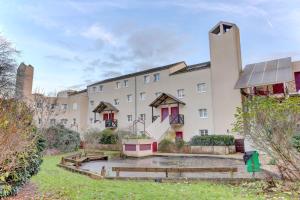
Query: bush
<point x="212" y="140"/>
<point x="92" y="136"/>
<point x="108" y="137"/>
<point x="63" y="139"/>
<point x="165" y="145"/>
<point x="28" y="164"/>
<point x="296" y="142"/>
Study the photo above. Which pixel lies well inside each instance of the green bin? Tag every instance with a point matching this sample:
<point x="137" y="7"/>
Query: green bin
<point x="252" y="161"/>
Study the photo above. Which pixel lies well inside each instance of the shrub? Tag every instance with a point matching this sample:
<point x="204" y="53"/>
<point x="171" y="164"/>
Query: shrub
<point x="63" y="139"/>
<point x="92" y="136"/>
<point x="165" y="145"/>
<point x="28" y="164"/>
<point x="212" y="140"/>
<point x="296" y="142"/>
<point x="108" y="137"/>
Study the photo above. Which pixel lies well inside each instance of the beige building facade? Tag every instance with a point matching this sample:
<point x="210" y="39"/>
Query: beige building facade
<point x="178" y="100"/>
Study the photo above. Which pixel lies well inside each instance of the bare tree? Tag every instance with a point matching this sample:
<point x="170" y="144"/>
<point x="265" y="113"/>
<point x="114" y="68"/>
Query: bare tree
<point x="7" y="66"/>
<point x="271" y="125"/>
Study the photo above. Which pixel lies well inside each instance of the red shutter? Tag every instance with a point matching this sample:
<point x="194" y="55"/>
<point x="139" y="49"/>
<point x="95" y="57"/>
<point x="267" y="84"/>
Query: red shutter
<point x="278" y="88"/>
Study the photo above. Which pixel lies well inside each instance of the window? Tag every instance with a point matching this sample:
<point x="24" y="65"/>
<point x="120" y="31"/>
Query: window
<point x="156" y="77"/>
<point x="201" y="87"/>
<point x="180" y="93"/>
<point x="142" y="96"/>
<point x="64" y="121"/>
<point x="129" y="118"/>
<point x="118" y="85"/>
<point x="74" y="121"/>
<point x="116" y="101"/>
<point x="145" y="147"/>
<point x="100" y="88"/>
<point x="146" y="79"/>
<point x="129" y="97"/>
<point x="52" y="106"/>
<point x="74" y="106"/>
<point x="94" y="89"/>
<point x="64" y="106"/>
<point x="91" y="120"/>
<point x="40" y="120"/>
<point x="52" y="121"/>
<point x="92" y="102"/>
<point x="203" y="132"/>
<point x="157" y="94"/>
<point x="203" y="113"/>
<point x="125" y="83"/>
<point x="143" y="117"/>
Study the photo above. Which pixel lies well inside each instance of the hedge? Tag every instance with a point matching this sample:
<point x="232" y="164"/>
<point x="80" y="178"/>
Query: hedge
<point x="212" y="140"/>
<point x="296" y="142"/>
<point x="28" y="165"/>
<point x="108" y="137"/>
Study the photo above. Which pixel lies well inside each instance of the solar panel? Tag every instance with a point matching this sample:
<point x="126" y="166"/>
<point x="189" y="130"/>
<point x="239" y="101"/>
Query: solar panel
<point x="266" y="73"/>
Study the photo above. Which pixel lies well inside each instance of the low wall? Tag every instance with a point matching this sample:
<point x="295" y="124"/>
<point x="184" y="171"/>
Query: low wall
<point x="221" y="150"/>
<point x="137" y="147"/>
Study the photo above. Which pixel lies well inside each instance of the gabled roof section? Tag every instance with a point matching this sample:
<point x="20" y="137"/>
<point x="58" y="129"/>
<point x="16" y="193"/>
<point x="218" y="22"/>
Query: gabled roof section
<point x="105" y="106"/>
<point x="266" y="73"/>
<point x="165" y="99"/>
<point x="139" y="73"/>
<point x="194" y="67"/>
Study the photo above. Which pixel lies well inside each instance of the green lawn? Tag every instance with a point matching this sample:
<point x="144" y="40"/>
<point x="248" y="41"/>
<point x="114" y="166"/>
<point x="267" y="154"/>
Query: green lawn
<point x="67" y="185"/>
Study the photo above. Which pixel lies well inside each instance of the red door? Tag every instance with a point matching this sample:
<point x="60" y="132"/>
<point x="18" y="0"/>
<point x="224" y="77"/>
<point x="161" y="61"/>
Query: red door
<point x="179" y="135"/>
<point x="154" y="147"/>
<point x="111" y="116"/>
<point x="297" y="80"/>
<point x="105" y="116"/>
<point x="174" y="111"/>
<point x="164" y="113"/>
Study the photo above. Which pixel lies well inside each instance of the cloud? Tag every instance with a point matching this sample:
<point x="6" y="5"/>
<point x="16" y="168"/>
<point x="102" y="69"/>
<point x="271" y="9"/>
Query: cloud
<point x="111" y="74"/>
<point x="97" y="32"/>
<point x="64" y="58"/>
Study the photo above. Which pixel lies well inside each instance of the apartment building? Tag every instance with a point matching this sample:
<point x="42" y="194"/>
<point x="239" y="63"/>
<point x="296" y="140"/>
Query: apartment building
<point x="178" y="99"/>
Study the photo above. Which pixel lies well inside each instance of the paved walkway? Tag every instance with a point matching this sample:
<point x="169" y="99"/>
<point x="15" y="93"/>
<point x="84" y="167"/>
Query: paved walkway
<point x="238" y="156"/>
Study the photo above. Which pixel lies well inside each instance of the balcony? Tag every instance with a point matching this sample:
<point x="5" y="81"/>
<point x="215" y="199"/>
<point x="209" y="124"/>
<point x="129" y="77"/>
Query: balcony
<point x="177" y="119"/>
<point x="111" y="123"/>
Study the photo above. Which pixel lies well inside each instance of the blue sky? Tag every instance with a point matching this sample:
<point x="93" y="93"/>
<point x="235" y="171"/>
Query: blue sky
<point x="73" y="43"/>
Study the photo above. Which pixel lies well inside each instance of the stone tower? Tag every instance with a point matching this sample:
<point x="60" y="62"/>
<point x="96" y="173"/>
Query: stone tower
<point x="24" y="82"/>
<point x="226" y="65"/>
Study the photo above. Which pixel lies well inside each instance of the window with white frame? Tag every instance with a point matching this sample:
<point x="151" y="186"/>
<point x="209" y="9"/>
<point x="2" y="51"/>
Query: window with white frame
<point x="100" y="88"/>
<point x="156" y="77"/>
<point x="203" y="113"/>
<point x="125" y="83"/>
<point x="129" y="118"/>
<point x="180" y="93"/>
<point x="118" y="85"/>
<point x="157" y="94"/>
<point x="94" y="89"/>
<point x="52" y="106"/>
<point x="74" y="106"/>
<point x="143" y="117"/>
<point x="146" y="79"/>
<point x="201" y="87"/>
<point x="142" y="96"/>
<point x="116" y="102"/>
<point x="92" y="102"/>
<point x="129" y="97"/>
<point x="203" y="132"/>
<point x="91" y="120"/>
<point x="40" y="120"/>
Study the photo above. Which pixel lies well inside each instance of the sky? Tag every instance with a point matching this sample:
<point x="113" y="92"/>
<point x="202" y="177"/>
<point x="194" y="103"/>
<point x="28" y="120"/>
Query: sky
<point x="74" y="43"/>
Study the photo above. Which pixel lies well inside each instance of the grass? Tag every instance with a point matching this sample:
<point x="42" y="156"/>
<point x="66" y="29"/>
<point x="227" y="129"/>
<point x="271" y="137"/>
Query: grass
<point x="67" y="185"/>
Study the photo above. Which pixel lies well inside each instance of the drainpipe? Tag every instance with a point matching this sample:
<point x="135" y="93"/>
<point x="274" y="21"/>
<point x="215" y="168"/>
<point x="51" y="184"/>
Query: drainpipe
<point x="135" y="103"/>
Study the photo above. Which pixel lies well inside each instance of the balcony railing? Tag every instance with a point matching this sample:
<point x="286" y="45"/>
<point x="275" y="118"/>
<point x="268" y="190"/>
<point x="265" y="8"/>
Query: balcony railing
<point x="177" y="119"/>
<point x="111" y="123"/>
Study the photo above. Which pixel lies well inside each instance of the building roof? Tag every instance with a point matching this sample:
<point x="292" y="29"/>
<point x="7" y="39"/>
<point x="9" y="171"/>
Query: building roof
<point x="161" y="100"/>
<point x="266" y="73"/>
<point x="105" y="106"/>
<point x="78" y="92"/>
<point x="137" y="73"/>
<point x="194" y="67"/>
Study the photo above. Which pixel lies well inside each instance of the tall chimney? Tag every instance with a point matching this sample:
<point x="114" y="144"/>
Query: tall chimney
<point x="226" y="65"/>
